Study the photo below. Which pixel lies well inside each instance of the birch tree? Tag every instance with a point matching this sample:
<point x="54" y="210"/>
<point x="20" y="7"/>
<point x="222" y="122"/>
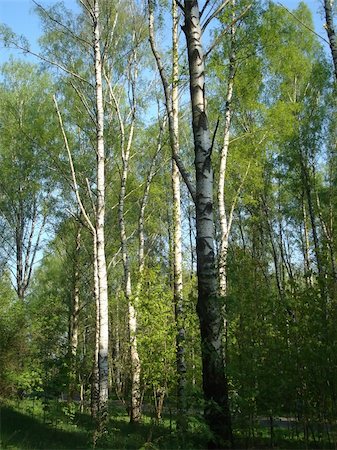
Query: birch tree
<point x="172" y="109"/>
<point x="126" y="142"/>
<point x="225" y="217"/>
<point x="96" y="224"/>
<point x="25" y="205"/>
<point x="100" y="216"/>
<point x="209" y="306"/>
<point x="330" y="29"/>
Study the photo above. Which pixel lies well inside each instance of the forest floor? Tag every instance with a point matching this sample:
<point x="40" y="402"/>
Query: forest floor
<point x="27" y="425"/>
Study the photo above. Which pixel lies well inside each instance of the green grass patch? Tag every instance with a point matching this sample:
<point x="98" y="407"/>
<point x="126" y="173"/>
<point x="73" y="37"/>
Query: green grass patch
<point x="21" y="431"/>
<point x="29" y="425"/>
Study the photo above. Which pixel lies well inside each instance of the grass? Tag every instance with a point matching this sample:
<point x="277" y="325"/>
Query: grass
<point x="26" y="425"/>
<point x="20" y="431"/>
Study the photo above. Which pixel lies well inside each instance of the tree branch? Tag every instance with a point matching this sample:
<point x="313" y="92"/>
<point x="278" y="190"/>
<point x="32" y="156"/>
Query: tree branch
<point x="225" y="31"/>
<point x="73" y="173"/>
<point x="185" y="175"/>
<point x="180" y="5"/>
<point x="204" y="8"/>
<point x="83" y="101"/>
<point x="302" y="23"/>
<point x="53" y="63"/>
<point x="67" y="29"/>
<point x="212" y="16"/>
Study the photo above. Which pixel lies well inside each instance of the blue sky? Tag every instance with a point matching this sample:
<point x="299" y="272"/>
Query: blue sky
<point x="19" y="15"/>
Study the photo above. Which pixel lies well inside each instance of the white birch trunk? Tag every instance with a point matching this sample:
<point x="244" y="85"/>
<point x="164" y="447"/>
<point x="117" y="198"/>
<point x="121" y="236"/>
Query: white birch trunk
<point x="135" y="413"/>
<point x="95" y="386"/>
<point x="172" y="109"/>
<point x="75" y="308"/>
<point x="329" y="25"/>
<point x="177" y="253"/>
<point x="135" y="410"/>
<point x="168" y="103"/>
<point x="100" y="217"/>
<point x="209" y="306"/>
<point x="224" y="222"/>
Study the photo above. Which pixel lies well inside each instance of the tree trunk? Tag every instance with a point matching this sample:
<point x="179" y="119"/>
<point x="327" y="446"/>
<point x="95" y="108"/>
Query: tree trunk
<point x="95" y="370"/>
<point x="75" y="307"/>
<point x="168" y="103"/>
<point x="135" y="414"/>
<point x="172" y="109"/>
<point x="209" y="305"/>
<point x="135" y="410"/>
<point x="19" y="252"/>
<point x="224" y="225"/>
<point x="312" y="218"/>
<point x="159" y="396"/>
<point x="306" y="245"/>
<point x="116" y="357"/>
<point x="329" y="25"/>
<point x="177" y="253"/>
<point x="100" y="217"/>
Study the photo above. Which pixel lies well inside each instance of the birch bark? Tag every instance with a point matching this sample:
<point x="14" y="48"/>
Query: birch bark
<point x="135" y="413"/>
<point x="100" y="372"/>
<point x="225" y="224"/>
<point x="331" y="32"/>
<point x="209" y="306"/>
<point x="126" y="143"/>
<point x="172" y="109"/>
<point x="27" y="240"/>
<point x="100" y="217"/>
<point x="177" y="253"/>
<point x="168" y="103"/>
<point x="95" y="386"/>
<point x="75" y="308"/>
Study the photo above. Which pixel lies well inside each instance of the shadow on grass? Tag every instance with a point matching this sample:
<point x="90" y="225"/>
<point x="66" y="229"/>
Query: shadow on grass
<point x="20" y="431"/>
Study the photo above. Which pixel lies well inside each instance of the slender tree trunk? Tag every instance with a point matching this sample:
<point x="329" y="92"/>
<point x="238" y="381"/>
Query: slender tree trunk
<point x="26" y="248"/>
<point x="95" y="386"/>
<point x="75" y="307"/>
<point x="135" y="410"/>
<point x="100" y="217"/>
<point x="273" y="248"/>
<point x="312" y="217"/>
<point x="177" y="253"/>
<point x="329" y="25"/>
<point x="159" y="396"/>
<point x="116" y="357"/>
<point x="327" y="230"/>
<point x="144" y="202"/>
<point x="168" y="103"/>
<point x="19" y="254"/>
<point x="135" y="413"/>
<point x="209" y="306"/>
<point x="224" y="225"/>
<point x="306" y="245"/>
<point x="172" y="109"/>
<point x="136" y="392"/>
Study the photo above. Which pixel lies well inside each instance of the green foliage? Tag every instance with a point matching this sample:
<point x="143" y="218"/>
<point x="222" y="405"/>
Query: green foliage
<point x="156" y="330"/>
<point x="12" y="319"/>
<point x="280" y="184"/>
